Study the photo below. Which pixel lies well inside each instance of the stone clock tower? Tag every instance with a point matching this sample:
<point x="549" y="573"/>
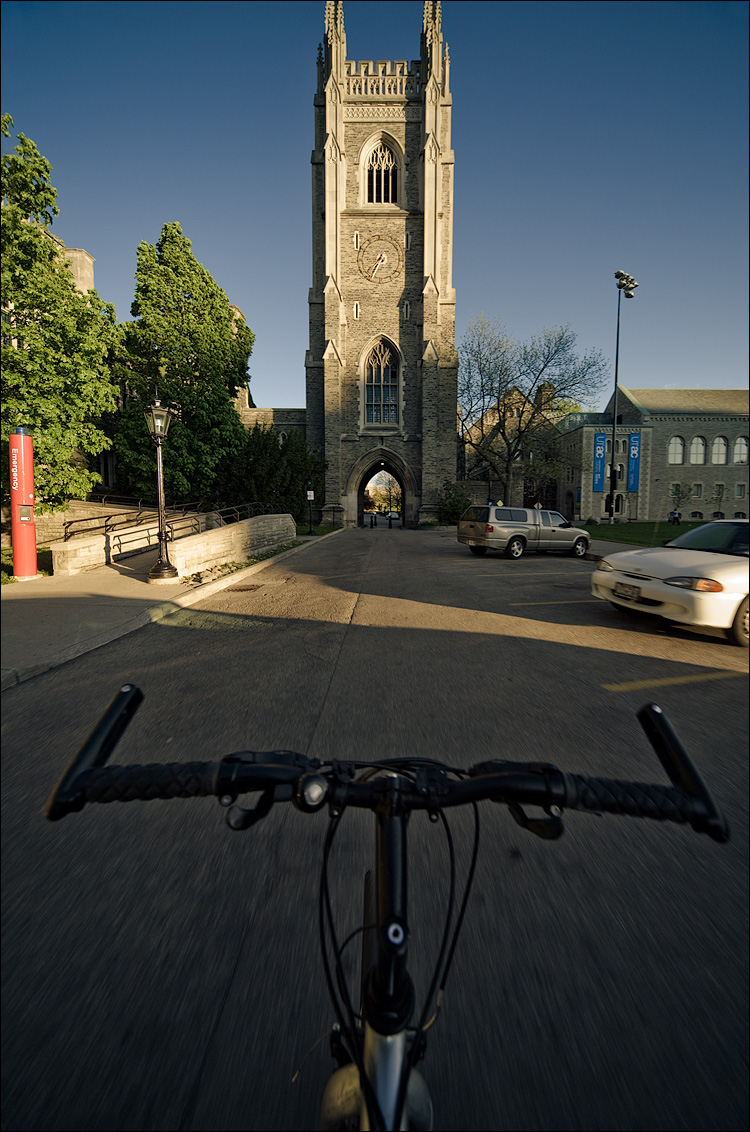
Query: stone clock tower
<point x="381" y="369"/>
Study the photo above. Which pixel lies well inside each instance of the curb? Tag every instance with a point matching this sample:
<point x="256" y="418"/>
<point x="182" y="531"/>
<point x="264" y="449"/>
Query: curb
<point x="157" y="612"/>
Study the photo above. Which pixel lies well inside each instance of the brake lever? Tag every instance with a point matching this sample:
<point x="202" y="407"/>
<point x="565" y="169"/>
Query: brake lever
<point x="549" y="828"/>
<point x="238" y="817"/>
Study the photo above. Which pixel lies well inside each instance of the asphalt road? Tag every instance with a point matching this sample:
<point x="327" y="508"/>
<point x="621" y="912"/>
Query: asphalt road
<point x="162" y="972"/>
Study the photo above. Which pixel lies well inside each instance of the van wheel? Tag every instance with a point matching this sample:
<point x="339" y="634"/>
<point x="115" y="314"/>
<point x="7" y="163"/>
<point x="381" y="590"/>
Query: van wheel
<point x="478" y="550"/>
<point x="579" y="548"/>
<point x="515" y="548"/>
<point x="738" y="633"/>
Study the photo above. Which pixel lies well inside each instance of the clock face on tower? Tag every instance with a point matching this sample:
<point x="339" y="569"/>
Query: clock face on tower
<point x="380" y="259"/>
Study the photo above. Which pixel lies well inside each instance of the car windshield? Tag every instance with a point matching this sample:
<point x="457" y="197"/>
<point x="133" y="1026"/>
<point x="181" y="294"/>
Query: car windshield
<point x="722" y="538"/>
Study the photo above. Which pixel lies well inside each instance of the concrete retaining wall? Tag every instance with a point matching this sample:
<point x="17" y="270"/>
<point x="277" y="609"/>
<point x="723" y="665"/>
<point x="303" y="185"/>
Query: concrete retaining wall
<point x="234" y="543"/>
<point x="189" y="555"/>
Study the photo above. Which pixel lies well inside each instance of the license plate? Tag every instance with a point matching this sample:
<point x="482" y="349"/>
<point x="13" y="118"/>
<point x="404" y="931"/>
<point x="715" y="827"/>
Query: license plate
<point x="633" y="592"/>
<point x="472" y="542"/>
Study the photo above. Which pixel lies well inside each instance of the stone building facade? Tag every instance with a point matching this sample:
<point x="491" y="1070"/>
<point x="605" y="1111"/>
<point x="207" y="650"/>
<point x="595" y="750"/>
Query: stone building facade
<point x="381" y="368"/>
<point x="692" y="439"/>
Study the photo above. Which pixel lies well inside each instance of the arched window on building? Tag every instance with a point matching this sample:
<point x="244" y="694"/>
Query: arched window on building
<point x="739" y="455"/>
<point x="382" y="176"/>
<point x="719" y="450"/>
<point x="676" y="451"/>
<point x="696" y="514"/>
<point x="620" y="473"/>
<point x="698" y="450"/>
<point x="381" y="386"/>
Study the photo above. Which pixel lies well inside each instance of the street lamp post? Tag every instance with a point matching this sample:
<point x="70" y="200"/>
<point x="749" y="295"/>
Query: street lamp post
<point x="625" y="283"/>
<point x="158" y="420"/>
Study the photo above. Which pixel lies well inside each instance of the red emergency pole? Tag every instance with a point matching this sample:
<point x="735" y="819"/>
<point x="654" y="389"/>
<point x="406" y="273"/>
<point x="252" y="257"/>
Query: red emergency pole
<point x="22" y="526"/>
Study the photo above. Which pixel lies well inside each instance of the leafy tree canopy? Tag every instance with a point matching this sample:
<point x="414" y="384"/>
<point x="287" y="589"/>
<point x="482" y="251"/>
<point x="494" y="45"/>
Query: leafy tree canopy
<point x="56" y="341"/>
<point x="511" y="393"/>
<point x="277" y="472"/>
<point x="188" y="345"/>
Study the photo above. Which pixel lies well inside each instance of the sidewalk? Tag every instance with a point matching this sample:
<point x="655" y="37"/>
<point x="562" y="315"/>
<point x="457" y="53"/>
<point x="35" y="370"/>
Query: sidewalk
<point x="49" y="621"/>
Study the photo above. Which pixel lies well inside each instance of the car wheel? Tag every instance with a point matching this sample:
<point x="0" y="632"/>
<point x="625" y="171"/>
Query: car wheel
<point x="478" y="550"/>
<point x="515" y="548"/>
<point x="738" y="633"/>
<point x="579" y="548"/>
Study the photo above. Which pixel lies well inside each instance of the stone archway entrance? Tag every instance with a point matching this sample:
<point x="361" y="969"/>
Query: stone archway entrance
<point x="380" y="460"/>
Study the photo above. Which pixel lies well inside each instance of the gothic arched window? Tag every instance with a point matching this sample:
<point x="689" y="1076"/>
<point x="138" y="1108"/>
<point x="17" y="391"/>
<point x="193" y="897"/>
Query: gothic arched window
<point x="382" y="176"/>
<point x="381" y="386"/>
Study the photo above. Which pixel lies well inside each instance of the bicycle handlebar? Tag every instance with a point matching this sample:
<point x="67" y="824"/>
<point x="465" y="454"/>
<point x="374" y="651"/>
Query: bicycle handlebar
<point x="418" y="784"/>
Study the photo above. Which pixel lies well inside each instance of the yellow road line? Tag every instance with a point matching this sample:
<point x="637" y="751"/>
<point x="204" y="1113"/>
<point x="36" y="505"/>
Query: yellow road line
<point x="538" y="574"/>
<point x="568" y="601"/>
<point x="639" y="685"/>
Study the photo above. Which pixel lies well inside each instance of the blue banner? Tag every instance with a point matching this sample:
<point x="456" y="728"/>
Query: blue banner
<point x="634" y="460"/>
<point x="600" y="445"/>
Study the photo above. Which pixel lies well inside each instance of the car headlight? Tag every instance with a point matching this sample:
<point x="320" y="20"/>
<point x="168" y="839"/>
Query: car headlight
<point x="706" y="585"/>
<point x="604" y="565"/>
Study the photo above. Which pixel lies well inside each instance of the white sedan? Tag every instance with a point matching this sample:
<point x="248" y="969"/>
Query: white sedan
<point x="699" y="578"/>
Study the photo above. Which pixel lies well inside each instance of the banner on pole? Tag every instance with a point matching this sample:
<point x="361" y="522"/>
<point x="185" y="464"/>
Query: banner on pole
<point x="600" y="445"/>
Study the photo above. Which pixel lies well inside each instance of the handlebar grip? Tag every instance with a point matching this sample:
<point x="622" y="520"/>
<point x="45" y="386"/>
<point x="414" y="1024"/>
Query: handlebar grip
<point x="681" y="770"/>
<point x="66" y="798"/>
<point x="144" y="783"/>
<point x="643" y="800"/>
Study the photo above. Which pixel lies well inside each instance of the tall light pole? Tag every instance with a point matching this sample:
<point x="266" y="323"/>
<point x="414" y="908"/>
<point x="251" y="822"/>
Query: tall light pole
<point x="158" y="420"/>
<point x="627" y="284"/>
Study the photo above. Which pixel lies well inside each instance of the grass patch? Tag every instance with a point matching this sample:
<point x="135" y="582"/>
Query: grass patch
<point x="638" y="534"/>
<point x="43" y="563"/>
<point x="322" y="529"/>
<point x="233" y="567"/>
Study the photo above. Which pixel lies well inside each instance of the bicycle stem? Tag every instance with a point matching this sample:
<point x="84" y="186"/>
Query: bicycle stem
<point x="389" y="999"/>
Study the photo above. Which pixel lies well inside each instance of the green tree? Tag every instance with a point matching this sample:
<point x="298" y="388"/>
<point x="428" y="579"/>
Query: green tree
<point x="56" y="342"/>
<point x="189" y="345"/>
<point x="718" y="497"/>
<point x="452" y="502"/>
<point x="510" y="395"/>
<point x="277" y="472"/>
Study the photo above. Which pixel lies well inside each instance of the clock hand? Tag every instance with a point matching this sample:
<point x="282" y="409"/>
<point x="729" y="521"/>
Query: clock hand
<point x="378" y="263"/>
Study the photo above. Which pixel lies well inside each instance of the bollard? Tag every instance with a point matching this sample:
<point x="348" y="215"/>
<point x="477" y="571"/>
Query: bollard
<point x="23" y="528"/>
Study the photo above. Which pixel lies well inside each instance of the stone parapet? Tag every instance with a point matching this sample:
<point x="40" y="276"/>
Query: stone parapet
<point x="234" y="543"/>
<point x="211" y="546"/>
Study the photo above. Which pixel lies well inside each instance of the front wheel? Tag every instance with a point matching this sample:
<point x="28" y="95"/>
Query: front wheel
<point x="478" y="550"/>
<point x="737" y="633"/>
<point x="579" y="548"/>
<point x="515" y="548"/>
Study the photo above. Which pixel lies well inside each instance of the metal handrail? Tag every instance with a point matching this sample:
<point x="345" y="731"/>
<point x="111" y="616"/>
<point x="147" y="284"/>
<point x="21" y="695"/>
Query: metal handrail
<point x="117" y="519"/>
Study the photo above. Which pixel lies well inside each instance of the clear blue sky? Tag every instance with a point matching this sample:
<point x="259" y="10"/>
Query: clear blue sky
<point x="588" y="137"/>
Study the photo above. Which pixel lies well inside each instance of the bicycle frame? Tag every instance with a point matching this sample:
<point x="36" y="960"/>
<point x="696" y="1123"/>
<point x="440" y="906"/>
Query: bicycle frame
<point x="387" y="999"/>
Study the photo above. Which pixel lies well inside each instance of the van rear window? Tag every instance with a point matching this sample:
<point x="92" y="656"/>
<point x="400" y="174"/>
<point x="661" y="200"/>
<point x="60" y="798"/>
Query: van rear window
<point x="479" y="514"/>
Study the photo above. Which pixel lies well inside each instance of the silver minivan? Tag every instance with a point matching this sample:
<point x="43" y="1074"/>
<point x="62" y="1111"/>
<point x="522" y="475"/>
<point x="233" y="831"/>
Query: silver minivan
<point x="516" y="529"/>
